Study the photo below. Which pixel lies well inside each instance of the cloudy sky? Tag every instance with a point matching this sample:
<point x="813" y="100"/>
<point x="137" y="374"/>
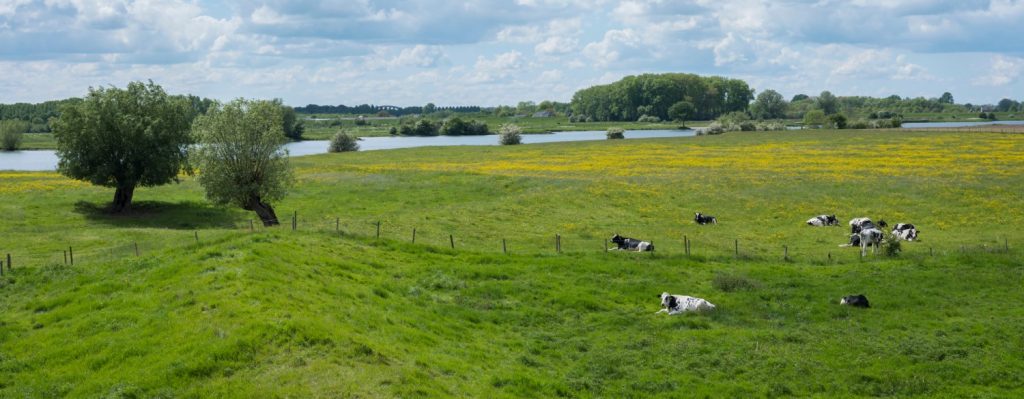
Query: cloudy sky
<point x="490" y="52"/>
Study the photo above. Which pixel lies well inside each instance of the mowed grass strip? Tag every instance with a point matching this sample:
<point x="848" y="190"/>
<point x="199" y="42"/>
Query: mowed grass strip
<point x="315" y="313"/>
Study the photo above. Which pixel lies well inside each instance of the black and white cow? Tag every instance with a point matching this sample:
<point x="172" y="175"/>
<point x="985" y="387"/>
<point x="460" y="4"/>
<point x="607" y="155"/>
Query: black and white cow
<point x="858" y="224"/>
<point x="675" y="304"/>
<point x="823" y="220"/>
<point x="857" y="301"/>
<point x="869" y="237"/>
<point x="704" y="219"/>
<point x="905" y="231"/>
<point x="631" y="244"/>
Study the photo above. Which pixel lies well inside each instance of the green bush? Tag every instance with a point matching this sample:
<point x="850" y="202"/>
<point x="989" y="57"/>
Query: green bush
<point x="648" y="119"/>
<point x="615" y="133"/>
<point x="713" y="129"/>
<point x="510" y="134"/>
<point x="891" y="245"/>
<point x="11" y="132"/>
<point x="342" y="142"/>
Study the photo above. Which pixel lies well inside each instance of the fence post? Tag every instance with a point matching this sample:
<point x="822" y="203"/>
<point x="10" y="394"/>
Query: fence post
<point x="686" y="245"/>
<point x="252" y="228"/>
<point x="451" y="239"/>
<point x="378" y="229"/>
<point x="785" y="252"/>
<point x="504" y="248"/>
<point x="830" y="257"/>
<point x="9" y="266"/>
<point x="1006" y="244"/>
<point x="337" y="224"/>
<point x="295" y="220"/>
<point x="558" y="243"/>
<point x="737" y="247"/>
<point x="413" y="235"/>
<point x="136" y="248"/>
<point x="71" y="255"/>
<point x="65" y="256"/>
<point x="197" y="236"/>
<point x="1" y="268"/>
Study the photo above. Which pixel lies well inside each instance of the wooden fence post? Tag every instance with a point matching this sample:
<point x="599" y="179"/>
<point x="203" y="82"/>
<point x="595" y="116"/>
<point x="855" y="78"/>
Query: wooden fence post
<point x="9" y="266"/>
<point x="197" y="236"/>
<point x="451" y="239"/>
<point x="686" y="245"/>
<point x="252" y="228"/>
<point x="337" y="224"/>
<point x="737" y="247"/>
<point x="504" y="248"/>
<point x="71" y="255"/>
<point x="1" y="268"/>
<point x="136" y="249"/>
<point x="785" y="252"/>
<point x="558" y="243"/>
<point x="378" y="229"/>
<point x="295" y="220"/>
<point x="830" y="257"/>
<point x="65" y="257"/>
<point x="413" y="235"/>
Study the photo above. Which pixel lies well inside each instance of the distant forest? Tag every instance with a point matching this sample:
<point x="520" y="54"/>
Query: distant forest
<point x="381" y="110"/>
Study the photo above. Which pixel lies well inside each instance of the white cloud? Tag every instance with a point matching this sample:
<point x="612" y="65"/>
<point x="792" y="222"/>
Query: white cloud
<point x="1003" y="71"/>
<point x="499" y="67"/>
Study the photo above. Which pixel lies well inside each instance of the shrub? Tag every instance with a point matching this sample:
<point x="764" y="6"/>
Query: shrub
<point x="858" y="124"/>
<point x="747" y="126"/>
<point x="714" y="128"/>
<point x="771" y="126"/>
<point x="615" y="133"/>
<point x="648" y="119"/>
<point x="510" y="134"/>
<point x="891" y="245"/>
<point x="423" y="127"/>
<point x="361" y="121"/>
<point x="837" y="121"/>
<point x="342" y="142"/>
<point x="11" y="133"/>
<point x="393" y="131"/>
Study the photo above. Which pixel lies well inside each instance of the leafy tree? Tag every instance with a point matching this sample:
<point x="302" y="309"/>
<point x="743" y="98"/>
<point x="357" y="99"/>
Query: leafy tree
<point x="342" y="142"/>
<point x="615" y="133"/>
<point x="293" y="128"/>
<point x="815" y="118"/>
<point x="1007" y="105"/>
<point x="828" y="103"/>
<point x="837" y="121"/>
<point x="10" y="134"/>
<point x="680" y="111"/>
<point x="429" y="108"/>
<point x="769" y="105"/>
<point x="947" y="98"/>
<point x="242" y="157"/>
<point x="124" y="138"/>
<point x="799" y="97"/>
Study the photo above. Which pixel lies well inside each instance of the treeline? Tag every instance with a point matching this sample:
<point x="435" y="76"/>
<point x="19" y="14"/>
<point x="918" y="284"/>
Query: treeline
<point x="382" y="110"/>
<point x="40" y="116"/>
<point x="669" y="96"/>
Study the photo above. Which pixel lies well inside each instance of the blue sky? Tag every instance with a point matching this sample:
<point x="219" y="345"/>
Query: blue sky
<point x="500" y="52"/>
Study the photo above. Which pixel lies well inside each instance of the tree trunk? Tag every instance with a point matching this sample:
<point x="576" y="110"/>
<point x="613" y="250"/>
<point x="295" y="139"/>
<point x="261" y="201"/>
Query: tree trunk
<point x="264" y="210"/>
<point x="122" y="199"/>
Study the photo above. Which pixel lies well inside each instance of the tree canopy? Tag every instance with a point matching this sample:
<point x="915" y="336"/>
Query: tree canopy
<point x="769" y="105"/>
<point x="242" y="160"/>
<point x="654" y="94"/>
<point x="123" y="138"/>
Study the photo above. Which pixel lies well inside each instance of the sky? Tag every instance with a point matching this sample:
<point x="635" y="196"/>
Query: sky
<point x="493" y="52"/>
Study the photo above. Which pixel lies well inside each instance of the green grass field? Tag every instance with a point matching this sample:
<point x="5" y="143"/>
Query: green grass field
<point x="320" y="313"/>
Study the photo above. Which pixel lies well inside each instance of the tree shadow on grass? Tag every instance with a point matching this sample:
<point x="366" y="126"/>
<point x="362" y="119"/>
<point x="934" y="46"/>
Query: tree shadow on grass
<point x="187" y="215"/>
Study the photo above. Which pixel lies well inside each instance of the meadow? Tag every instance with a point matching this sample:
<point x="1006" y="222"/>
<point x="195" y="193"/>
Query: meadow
<point x="329" y="310"/>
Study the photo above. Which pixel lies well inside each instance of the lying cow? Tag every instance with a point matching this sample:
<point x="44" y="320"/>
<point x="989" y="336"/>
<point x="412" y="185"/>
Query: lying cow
<point x="905" y="231"/>
<point x="858" y="224"/>
<point x="823" y="220"/>
<point x="675" y="304"/>
<point x="631" y="244"/>
<point x="704" y="219"/>
<point x="857" y="301"/>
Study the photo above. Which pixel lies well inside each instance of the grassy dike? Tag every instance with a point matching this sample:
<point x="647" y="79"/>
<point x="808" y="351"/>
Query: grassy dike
<point x="320" y="313"/>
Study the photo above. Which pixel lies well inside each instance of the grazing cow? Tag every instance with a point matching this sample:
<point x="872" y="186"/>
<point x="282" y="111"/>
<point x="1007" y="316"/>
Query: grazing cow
<point x="857" y="301"/>
<point x="905" y="231"/>
<point x="675" y="304"/>
<point x="858" y="224"/>
<point x="704" y="219"/>
<point x="869" y="237"/>
<point x="823" y="220"/>
<point x="631" y="244"/>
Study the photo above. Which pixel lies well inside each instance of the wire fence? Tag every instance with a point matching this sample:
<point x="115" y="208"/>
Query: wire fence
<point x="689" y="243"/>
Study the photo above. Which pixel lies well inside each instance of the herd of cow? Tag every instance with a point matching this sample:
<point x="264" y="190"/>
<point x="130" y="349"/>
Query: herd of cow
<point x="863" y="233"/>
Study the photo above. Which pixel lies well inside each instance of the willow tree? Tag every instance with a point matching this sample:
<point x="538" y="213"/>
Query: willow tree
<point x="241" y="156"/>
<point x="124" y="138"/>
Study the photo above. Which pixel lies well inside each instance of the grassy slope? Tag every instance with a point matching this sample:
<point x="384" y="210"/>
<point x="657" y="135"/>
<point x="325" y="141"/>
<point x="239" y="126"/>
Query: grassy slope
<point x="310" y="314"/>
